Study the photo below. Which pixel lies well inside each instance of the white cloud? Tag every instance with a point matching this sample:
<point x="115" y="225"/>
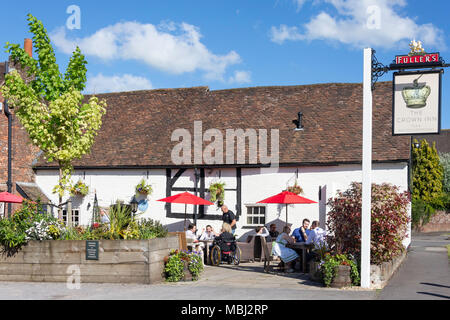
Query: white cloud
<point x="170" y="47"/>
<point x="241" y="76"/>
<point x="362" y="23"/>
<point x="116" y="83"/>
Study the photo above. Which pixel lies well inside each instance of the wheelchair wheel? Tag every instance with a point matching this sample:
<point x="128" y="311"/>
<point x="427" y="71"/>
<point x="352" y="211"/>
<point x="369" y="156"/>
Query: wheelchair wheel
<point x="216" y="256"/>
<point x="237" y="256"/>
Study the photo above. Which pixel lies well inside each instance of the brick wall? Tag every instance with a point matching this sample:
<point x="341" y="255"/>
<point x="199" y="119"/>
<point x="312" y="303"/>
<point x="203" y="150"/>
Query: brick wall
<point x="23" y="153"/>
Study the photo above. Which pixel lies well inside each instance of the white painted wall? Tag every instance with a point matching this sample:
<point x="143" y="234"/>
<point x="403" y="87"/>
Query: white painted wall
<point x="257" y="184"/>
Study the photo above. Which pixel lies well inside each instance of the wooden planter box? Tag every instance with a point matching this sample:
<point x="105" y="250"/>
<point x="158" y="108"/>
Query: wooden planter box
<point x="119" y="261"/>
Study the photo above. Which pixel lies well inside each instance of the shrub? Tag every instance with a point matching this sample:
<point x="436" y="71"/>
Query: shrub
<point x="389" y="222"/>
<point x="445" y="163"/>
<point x="150" y="229"/>
<point x="13" y="230"/>
<point x="421" y="213"/>
<point x="428" y="172"/>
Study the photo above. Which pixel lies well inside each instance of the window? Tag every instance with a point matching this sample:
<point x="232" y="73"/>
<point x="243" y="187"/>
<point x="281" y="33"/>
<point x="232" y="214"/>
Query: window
<point x="256" y="215"/>
<point x="75" y="217"/>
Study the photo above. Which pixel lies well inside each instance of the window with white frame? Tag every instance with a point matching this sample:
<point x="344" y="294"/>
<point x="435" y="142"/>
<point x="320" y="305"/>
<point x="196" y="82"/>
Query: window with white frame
<point x="75" y="217"/>
<point x="256" y="215"/>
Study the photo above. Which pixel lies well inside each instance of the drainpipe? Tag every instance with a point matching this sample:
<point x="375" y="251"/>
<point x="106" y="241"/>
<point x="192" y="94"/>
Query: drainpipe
<point x="9" y="116"/>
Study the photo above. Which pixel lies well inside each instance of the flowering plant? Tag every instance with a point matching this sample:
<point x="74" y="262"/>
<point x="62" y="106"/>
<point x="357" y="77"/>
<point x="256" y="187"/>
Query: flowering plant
<point x="80" y="189"/>
<point x="330" y="263"/>
<point x="174" y="267"/>
<point x="389" y="222"/>
<point x="44" y="230"/>
<point x="295" y="188"/>
<point x="144" y="188"/>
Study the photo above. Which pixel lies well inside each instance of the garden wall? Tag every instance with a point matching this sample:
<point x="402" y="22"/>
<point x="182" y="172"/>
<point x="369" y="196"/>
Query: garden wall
<point x="381" y="274"/>
<point x="120" y="261"/>
<point x="440" y="222"/>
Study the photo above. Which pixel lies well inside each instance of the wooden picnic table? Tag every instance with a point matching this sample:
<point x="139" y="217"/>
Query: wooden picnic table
<point x="303" y="247"/>
<point x="207" y="243"/>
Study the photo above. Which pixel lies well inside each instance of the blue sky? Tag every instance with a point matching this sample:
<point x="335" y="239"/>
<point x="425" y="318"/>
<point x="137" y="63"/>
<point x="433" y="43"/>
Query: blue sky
<point x="222" y="44"/>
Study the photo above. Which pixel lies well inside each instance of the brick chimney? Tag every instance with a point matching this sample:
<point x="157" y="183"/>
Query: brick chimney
<point x="28" y="47"/>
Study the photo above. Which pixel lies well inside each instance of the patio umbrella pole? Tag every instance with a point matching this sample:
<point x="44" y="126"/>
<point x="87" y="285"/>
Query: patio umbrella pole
<point x="286" y="214"/>
<point x="185" y="215"/>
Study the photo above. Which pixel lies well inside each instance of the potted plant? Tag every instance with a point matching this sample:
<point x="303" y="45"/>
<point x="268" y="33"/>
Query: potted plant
<point x="339" y="271"/>
<point x="217" y="191"/>
<point x="79" y="189"/>
<point x="295" y="188"/>
<point x="144" y="188"/>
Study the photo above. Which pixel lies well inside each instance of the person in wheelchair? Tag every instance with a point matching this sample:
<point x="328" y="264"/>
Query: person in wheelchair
<point x="227" y="244"/>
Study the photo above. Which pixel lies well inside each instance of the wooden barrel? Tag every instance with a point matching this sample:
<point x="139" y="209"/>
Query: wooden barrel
<point x="342" y="277"/>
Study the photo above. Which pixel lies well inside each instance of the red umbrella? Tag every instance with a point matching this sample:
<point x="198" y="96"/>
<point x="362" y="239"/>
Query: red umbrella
<point x="10" y="198"/>
<point x="186" y="198"/>
<point x="287" y="197"/>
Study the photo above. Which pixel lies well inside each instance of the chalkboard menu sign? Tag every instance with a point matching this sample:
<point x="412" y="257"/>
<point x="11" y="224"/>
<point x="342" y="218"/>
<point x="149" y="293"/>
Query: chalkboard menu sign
<point x="91" y="250"/>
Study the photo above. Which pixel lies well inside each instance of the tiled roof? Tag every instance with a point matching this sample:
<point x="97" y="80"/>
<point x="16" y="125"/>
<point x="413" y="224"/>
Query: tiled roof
<point x="442" y="140"/>
<point x="138" y="126"/>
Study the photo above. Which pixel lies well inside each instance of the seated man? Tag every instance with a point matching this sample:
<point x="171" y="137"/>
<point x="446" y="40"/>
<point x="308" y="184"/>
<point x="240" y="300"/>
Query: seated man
<point x="317" y="235"/>
<point x="191" y="234"/>
<point x="273" y="231"/>
<point x="208" y="234"/>
<point x="301" y="234"/>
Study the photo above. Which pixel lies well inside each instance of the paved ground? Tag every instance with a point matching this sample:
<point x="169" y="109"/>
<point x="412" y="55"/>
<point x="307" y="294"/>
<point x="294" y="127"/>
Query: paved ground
<point x="424" y="275"/>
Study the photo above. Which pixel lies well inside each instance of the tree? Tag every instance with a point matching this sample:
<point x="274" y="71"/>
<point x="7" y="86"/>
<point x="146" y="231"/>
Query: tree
<point x="445" y="162"/>
<point x="428" y="173"/>
<point x="51" y="107"/>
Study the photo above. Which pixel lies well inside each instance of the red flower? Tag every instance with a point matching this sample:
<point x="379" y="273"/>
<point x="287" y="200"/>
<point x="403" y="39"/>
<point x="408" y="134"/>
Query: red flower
<point x="95" y="225"/>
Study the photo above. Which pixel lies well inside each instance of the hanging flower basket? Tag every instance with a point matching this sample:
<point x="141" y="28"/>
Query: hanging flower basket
<point x="144" y="188"/>
<point x="217" y="191"/>
<point x="295" y="189"/>
<point x="79" y="189"/>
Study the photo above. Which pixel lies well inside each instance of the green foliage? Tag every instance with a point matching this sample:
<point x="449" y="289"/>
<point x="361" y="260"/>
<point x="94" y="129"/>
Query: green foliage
<point x="174" y="267"/>
<point x="120" y="217"/>
<point x="13" y="230"/>
<point x="428" y="173"/>
<point x="217" y="191"/>
<point x="421" y="213"/>
<point x="329" y="265"/>
<point x="144" y="188"/>
<point x="150" y="229"/>
<point x="389" y="222"/>
<point x="50" y="107"/>
<point x="445" y="163"/>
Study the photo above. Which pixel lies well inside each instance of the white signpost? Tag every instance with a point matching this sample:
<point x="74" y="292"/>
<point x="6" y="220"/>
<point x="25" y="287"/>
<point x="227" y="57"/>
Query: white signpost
<point x="366" y="170"/>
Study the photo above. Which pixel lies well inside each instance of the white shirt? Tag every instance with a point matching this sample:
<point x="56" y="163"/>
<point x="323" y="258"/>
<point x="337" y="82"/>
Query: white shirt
<point x="190" y="235"/>
<point x="207" y="236"/>
<point x="316" y="236"/>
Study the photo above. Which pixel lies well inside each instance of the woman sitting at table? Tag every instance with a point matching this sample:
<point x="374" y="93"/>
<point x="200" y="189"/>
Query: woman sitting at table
<point x="208" y="234"/>
<point x="287" y="255"/>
